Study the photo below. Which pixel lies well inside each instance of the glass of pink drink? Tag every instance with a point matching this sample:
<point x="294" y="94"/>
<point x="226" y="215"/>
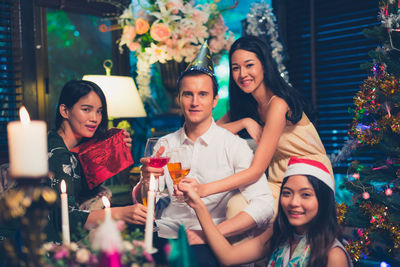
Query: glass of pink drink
<point x="156" y="150"/>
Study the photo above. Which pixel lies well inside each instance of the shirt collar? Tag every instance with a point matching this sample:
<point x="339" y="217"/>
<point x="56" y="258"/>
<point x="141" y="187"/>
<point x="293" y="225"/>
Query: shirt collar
<point x="205" y="138"/>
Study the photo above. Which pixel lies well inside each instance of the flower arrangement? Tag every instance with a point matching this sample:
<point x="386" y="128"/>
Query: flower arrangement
<point x="84" y="254"/>
<point x="166" y="30"/>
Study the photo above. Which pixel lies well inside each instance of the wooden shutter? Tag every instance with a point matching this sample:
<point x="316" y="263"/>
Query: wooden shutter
<point x="10" y="69"/>
<point x="336" y="49"/>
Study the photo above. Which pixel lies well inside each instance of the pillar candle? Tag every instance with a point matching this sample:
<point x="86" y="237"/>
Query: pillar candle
<point x="148" y="234"/>
<point x="64" y="214"/>
<point x="27" y="146"/>
<point x="107" y="208"/>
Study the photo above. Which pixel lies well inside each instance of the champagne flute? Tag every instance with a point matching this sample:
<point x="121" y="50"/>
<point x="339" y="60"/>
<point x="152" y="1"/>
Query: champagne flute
<point x="156" y="150"/>
<point x="179" y="166"/>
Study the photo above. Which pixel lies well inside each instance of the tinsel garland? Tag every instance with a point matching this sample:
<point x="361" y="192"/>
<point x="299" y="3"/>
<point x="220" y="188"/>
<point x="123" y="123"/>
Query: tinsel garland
<point x="389" y="16"/>
<point x="341" y="212"/>
<point x="387" y="188"/>
<point x="388" y="19"/>
<point x="380" y="221"/>
<point x="261" y="20"/>
<point x="345" y="152"/>
<point x="374" y="108"/>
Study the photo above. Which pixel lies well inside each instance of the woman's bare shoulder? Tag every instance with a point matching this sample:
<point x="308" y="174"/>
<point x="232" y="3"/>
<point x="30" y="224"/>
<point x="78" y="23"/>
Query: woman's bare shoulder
<point x="278" y="102"/>
<point x="337" y="257"/>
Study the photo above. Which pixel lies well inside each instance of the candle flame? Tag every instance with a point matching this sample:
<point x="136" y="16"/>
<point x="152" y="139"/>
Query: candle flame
<point x="24" y="115"/>
<point x="106" y="202"/>
<point x="63" y="187"/>
<point x="152" y="184"/>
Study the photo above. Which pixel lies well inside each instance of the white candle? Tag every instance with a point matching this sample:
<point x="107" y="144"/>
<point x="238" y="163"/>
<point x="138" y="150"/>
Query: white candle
<point x="27" y="146"/>
<point x="107" y="208"/>
<point x="64" y="214"/>
<point x="148" y="234"/>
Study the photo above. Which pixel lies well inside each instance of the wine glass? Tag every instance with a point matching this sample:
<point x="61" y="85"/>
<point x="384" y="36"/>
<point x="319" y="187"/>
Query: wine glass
<point x="179" y="166"/>
<point x="156" y="150"/>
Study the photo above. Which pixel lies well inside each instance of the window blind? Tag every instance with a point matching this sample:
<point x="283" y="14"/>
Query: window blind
<point x="10" y="69"/>
<point x="340" y="48"/>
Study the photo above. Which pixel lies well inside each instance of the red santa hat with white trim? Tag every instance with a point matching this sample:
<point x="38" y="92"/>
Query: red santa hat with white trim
<point x="310" y="167"/>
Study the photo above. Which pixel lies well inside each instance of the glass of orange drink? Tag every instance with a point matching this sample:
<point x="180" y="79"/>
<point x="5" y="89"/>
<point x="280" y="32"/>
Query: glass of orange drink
<point x="179" y="166"/>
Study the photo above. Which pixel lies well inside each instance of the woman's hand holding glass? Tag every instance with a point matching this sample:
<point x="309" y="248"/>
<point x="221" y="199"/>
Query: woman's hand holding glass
<point x="188" y="188"/>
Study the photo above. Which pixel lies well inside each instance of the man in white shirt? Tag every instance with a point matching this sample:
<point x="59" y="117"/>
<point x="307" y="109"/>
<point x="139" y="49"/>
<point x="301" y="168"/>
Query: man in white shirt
<point x="216" y="154"/>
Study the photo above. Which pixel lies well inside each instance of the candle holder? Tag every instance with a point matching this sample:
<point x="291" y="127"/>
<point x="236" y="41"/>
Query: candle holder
<point x="27" y="205"/>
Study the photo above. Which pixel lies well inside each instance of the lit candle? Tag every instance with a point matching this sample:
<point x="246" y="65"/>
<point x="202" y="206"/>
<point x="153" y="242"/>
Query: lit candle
<point x="107" y="208"/>
<point x="64" y="214"/>
<point x="148" y="234"/>
<point x="27" y="146"/>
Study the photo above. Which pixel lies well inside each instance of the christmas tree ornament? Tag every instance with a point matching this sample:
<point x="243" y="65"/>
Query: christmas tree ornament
<point x="388" y="192"/>
<point x="379" y="70"/>
<point x="341" y="212"/>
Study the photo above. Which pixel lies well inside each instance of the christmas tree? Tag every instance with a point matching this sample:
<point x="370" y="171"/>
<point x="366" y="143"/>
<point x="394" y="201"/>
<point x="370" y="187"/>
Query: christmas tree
<point x="374" y="177"/>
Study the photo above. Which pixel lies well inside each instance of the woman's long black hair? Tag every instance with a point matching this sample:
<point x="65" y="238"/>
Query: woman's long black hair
<point x="322" y="230"/>
<point x="75" y="90"/>
<point x="244" y="105"/>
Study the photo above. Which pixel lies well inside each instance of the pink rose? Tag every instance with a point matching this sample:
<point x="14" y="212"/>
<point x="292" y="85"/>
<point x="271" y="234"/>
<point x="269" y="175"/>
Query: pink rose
<point x="121" y="225"/>
<point x="160" y="32"/>
<point x="142" y="26"/>
<point x="61" y="253"/>
<point x="129" y="32"/>
<point x="148" y="256"/>
<point x="173" y="7"/>
<point x="133" y="46"/>
<point x="200" y="16"/>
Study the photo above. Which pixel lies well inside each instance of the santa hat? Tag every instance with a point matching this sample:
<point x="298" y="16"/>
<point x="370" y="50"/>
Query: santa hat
<point x="310" y="167"/>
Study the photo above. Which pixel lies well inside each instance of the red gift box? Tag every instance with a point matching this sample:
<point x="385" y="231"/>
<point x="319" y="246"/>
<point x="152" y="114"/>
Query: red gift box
<point x="103" y="159"/>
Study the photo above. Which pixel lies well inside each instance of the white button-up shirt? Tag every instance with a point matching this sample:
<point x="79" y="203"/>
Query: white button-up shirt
<point x="216" y="154"/>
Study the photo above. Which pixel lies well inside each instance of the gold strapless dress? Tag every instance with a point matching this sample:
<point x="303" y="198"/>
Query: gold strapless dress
<point x="300" y="140"/>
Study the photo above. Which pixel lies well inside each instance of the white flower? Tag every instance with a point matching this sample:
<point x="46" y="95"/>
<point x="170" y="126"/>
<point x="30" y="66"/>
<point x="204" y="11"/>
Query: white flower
<point x="189" y="27"/>
<point x="127" y="245"/>
<point x="127" y="14"/>
<point x="164" y="15"/>
<point x="82" y="255"/>
<point x="143" y="71"/>
<point x="73" y="246"/>
<point x="158" y="53"/>
<point x="47" y="246"/>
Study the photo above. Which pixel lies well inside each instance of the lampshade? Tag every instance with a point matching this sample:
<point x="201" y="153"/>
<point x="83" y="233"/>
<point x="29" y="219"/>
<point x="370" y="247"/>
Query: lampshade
<point x="123" y="100"/>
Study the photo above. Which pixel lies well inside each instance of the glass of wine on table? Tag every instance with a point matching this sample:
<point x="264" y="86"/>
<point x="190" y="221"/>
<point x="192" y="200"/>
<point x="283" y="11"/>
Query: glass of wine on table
<point x="179" y="166"/>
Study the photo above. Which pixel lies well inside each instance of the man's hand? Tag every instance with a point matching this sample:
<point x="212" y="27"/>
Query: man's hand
<point x="195" y="237"/>
<point x="147" y="170"/>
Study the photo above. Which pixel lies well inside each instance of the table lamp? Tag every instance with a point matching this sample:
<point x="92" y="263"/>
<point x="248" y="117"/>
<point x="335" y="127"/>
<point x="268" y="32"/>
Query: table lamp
<point x="123" y="100"/>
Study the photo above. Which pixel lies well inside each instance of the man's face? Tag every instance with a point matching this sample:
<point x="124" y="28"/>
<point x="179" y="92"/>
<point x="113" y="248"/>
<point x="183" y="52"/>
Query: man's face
<point x="196" y="98"/>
